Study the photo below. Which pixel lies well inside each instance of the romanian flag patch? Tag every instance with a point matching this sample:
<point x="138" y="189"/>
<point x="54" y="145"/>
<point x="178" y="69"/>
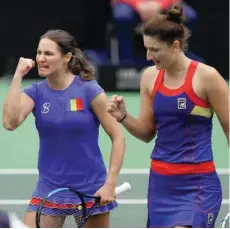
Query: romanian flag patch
<point x="76" y="104"/>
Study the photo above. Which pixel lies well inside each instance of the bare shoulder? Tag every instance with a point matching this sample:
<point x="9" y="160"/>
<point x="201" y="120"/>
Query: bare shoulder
<point x="149" y="73"/>
<point x="207" y="81"/>
<point x="207" y="72"/>
<point x="148" y="78"/>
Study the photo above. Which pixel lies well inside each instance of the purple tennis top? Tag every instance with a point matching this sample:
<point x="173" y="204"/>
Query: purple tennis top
<point x="68" y="129"/>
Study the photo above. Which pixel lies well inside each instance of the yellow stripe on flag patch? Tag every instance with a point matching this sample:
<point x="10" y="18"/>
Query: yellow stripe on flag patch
<point x="76" y="104"/>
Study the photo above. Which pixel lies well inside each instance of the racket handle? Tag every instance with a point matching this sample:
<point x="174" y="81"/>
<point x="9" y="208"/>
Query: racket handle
<point x="122" y="188"/>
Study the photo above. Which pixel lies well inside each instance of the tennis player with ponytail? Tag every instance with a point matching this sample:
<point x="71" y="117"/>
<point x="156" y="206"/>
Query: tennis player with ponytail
<point x="178" y="99"/>
<point x="68" y="107"/>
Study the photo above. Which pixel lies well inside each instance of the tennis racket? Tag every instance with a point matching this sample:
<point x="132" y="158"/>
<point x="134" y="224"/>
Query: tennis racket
<point x="225" y="220"/>
<point x="73" y="212"/>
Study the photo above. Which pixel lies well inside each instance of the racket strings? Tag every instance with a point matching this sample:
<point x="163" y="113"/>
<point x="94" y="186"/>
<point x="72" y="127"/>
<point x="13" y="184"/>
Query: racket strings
<point x="58" y="218"/>
<point x="65" y="207"/>
<point x="59" y="212"/>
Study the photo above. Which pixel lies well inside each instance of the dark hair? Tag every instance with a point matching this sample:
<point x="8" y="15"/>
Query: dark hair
<point x="168" y="27"/>
<point x="67" y="43"/>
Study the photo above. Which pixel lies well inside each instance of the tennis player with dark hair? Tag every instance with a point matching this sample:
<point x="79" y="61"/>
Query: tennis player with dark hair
<point x="178" y="99"/>
<point x="69" y="107"/>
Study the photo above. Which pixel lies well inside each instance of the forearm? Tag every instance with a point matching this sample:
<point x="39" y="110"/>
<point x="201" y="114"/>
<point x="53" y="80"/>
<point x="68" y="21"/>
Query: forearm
<point x="138" y="128"/>
<point x="11" y="106"/>
<point x="116" y="159"/>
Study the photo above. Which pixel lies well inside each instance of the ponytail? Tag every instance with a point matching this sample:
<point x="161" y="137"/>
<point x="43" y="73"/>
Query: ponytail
<point x="81" y="66"/>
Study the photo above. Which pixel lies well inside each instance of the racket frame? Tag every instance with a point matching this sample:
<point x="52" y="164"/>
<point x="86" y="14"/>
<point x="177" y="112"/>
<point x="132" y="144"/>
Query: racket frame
<point x="83" y="204"/>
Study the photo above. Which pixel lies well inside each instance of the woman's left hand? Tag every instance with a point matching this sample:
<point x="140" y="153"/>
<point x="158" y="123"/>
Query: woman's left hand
<point x="107" y="193"/>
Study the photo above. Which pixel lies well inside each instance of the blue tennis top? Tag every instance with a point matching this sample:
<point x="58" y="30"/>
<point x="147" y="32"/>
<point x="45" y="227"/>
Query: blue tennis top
<point x="69" y="153"/>
<point x="183" y="121"/>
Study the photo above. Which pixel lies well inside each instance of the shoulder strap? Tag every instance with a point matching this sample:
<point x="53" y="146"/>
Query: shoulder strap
<point x="190" y="73"/>
<point x="158" y="82"/>
<point x="189" y="88"/>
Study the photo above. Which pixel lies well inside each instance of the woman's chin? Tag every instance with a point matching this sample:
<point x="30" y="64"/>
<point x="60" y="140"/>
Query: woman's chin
<point x="158" y="66"/>
<point x="42" y="74"/>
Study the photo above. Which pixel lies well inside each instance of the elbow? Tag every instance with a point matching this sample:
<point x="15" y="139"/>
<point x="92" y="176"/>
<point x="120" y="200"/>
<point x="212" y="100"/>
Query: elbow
<point x="9" y="126"/>
<point x="149" y="137"/>
<point x="6" y="122"/>
<point x="147" y="140"/>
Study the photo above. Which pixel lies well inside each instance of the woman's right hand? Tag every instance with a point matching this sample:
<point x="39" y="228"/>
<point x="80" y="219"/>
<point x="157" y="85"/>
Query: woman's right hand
<point x="116" y="107"/>
<point x="23" y="67"/>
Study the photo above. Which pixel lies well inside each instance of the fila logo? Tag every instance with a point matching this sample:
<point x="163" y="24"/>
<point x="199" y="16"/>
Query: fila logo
<point x="45" y="108"/>
<point x="210" y="218"/>
<point x="181" y="103"/>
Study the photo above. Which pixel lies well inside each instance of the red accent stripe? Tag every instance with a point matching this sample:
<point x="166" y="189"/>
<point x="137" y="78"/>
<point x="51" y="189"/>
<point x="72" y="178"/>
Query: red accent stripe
<point x="157" y="83"/>
<point x="186" y="87"/>
<point x="48" y="204"/>
<point x="195" y="99"/>
<point x="171" y="92"/>
<point x="166" y="168"/>
<point x="191" y="72"/>
<point x="177" y="91"/>
<point x="189" y="89"/>
<point x="79" y="104"/>
<point x="186" y="141"/>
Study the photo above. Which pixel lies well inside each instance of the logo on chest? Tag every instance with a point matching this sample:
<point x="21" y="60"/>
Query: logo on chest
<point x="181" y="103"/>
<point x="45" y="108"/>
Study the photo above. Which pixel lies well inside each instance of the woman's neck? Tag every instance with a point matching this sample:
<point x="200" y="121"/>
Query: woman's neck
<point x="178" y="67"/>
<point x="60" y="81"/>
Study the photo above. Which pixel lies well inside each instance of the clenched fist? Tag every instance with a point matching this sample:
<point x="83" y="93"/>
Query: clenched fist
<point x="116" y="107"/>
<point x="24" y="66"/>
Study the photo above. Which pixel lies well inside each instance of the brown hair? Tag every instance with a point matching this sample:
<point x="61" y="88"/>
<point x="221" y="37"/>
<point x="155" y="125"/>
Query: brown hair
<point x="168" y="27"/>
<point x="78" y="64"/>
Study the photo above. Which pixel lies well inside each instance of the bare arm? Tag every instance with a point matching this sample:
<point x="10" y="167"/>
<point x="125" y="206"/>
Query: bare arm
<point x="218" y="96"/>
<point x="115" y="133"/>
<point x="17" y="106"/>
<point x="143" y="127"/>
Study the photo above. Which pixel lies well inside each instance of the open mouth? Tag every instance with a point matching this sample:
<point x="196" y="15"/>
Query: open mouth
<point x="43" y="67"/>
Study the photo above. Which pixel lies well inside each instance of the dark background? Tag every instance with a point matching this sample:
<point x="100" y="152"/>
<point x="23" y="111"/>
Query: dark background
<point x="22" y="24"/>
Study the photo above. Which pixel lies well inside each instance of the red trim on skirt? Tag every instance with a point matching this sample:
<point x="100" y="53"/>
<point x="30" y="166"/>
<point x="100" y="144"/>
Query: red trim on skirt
<point x="48" y="204"/>
<point x="166" y="168"/>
